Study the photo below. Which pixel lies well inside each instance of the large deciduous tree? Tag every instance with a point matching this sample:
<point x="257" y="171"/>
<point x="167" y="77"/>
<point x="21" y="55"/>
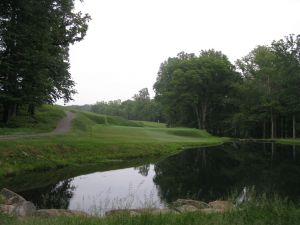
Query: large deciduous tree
<point x="34" y="52"/>
<point x="259" y="72"/>
<point x="195" y="90"/>
<point x="287" y="52"/>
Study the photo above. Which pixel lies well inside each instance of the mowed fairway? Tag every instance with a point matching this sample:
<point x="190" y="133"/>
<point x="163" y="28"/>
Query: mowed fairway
<point x="119" y="134"/>
<point x="97" y="139"/>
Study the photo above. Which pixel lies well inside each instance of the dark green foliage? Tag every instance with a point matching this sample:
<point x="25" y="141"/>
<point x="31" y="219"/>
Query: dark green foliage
<point x="269" y="103"/>
<point x="34" y="42"/>
<point x="196" y="91"/>
<point x="259" y="99"/>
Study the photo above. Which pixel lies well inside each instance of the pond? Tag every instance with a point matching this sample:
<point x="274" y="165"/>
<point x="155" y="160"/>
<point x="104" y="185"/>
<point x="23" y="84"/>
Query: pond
<point x="205" y="174"/>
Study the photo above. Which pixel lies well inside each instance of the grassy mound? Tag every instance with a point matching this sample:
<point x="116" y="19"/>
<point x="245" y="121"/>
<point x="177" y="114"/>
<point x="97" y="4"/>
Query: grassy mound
<point x="151" y="124"/>
<point x="185" y="132"/>
<point x="85" y="120"/>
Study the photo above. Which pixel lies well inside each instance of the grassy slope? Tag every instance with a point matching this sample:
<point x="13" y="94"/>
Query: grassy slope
<point x="96" y="139"/>
<point x="152" y="124"/>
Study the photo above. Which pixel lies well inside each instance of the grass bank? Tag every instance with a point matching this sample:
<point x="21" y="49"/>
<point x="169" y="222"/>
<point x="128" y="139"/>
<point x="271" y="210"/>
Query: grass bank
<point x="288" y="141"/>
<point x="96" y="139"/>
<point x="273" y="212"/>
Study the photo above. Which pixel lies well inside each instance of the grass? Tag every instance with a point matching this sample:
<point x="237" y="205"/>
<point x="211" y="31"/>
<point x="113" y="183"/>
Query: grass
<point x="96" y="139"/>
<point x="45" y="120"/>
<point x="152" y="124"/>
<point x="263" y="211"/>
<point x="289" y="141"/>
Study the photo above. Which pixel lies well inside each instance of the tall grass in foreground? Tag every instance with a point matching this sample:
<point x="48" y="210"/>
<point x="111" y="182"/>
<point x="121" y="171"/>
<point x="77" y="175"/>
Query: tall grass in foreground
<point x="256" y="212"/>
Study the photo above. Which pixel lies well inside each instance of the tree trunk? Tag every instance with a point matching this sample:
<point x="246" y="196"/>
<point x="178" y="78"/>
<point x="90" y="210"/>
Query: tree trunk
<point x="9" y="112"/>
<point x="31" y="110"/>
<point x="17" y="110"/>
<point x="272" y="125"/>
<point x="294" y="126"/>
<point x="198" y="117"/>
<point x="264" y="130"/>
<point x="204" y="111"/>
<point x="281" y="127"/>
<point x="285" y="128"/>
<point x="272" y="154"/>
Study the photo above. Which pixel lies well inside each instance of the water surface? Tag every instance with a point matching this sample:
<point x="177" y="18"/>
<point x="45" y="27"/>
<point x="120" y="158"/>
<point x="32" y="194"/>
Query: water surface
<point x="205" y="174"/>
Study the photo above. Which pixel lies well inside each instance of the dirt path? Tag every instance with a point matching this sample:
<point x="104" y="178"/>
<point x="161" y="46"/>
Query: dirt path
<point x="63" y="126"/>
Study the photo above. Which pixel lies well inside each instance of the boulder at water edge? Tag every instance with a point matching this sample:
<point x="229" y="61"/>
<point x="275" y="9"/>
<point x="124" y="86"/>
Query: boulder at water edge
<point x="14" y="204"/>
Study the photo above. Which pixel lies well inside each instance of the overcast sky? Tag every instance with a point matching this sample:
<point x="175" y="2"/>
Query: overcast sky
<point x="128" y="40"/>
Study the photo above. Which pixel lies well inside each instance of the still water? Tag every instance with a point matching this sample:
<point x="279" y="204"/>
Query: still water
<point x="205" y="174"/>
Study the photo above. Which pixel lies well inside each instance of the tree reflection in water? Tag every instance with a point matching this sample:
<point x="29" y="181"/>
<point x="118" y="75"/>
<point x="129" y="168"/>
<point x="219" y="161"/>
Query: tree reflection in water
<point x="53" y="196"/>
<point x="217" y="172"/>
<point x="143" y="170"/>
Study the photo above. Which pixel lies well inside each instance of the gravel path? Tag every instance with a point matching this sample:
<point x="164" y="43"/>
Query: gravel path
<point x="63" y="126"/>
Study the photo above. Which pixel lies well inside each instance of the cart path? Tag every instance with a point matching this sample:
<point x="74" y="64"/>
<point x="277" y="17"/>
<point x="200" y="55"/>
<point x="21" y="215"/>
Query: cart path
<point x="63" y="126"/>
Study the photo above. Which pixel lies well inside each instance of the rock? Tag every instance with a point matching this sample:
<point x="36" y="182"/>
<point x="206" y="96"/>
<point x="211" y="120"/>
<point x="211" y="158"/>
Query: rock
<point x="15" y="200"/>
<point x="197" y="204"/>
<point x="186" y="208"/>
<point x="21" y="209"/>
<point x="15" y="204"/>
<point x="163" y="211"/>
<point x="59" y="212"/>
<point x="10" y="197"/>
<point x="222" y="206"/>
<point x="132" y="212"/>
<point x="211" y="210"/>
<point x="135" y="212"/>
<point x="8" y="209"/>
<point x="25" y="208"/>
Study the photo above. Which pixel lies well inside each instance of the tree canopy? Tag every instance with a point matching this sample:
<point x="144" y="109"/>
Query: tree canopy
<point x="196" y="90"/>
<point x="35" y="36"/>
<point x="257" y="97"/>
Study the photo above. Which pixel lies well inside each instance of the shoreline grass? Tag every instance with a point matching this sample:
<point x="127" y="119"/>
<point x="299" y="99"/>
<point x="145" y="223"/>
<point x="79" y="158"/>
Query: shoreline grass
<point x="259" y="211"/>
<point x="288" y="141"/>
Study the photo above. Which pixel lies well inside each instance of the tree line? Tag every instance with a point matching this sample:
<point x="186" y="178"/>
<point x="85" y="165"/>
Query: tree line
<point x="35" y="36"/>
<point x="140" y="107"/>
<point x="256" y="97"/>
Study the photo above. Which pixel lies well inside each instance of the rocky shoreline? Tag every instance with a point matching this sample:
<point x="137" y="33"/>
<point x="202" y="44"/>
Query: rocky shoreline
<point x="14" y="204"/>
